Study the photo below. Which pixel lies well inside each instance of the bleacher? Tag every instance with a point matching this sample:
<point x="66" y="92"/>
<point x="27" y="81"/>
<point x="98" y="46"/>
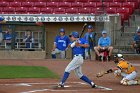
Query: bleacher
<point x="122" y="7"/>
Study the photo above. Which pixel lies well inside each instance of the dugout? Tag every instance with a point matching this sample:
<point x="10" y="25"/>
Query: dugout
<point x="45" y="35"/>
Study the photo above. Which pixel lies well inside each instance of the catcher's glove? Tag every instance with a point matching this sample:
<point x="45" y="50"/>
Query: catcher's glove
<point x="100" y="74"/>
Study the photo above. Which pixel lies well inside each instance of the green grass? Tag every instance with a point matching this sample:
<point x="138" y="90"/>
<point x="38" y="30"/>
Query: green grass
<point x="8" y="72"/>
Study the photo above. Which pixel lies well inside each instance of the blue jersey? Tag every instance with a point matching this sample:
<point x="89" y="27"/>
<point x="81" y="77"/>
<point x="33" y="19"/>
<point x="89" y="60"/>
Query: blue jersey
<point x="62" y="42"/>
<point x="104" y="42"/>
<point x="1" y="19"/>
<point x="7" y="36"/>
<point x="136" y="38"/>
<point x="90" y="37"/>
<point x="28" y="41"/>
<point x="79" y="50"/>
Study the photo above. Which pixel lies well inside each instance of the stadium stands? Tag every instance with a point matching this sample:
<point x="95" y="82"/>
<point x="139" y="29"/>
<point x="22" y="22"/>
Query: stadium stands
<point x="123" y="7"/>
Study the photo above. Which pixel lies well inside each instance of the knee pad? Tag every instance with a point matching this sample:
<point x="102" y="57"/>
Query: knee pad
<point x="129" y="82"/>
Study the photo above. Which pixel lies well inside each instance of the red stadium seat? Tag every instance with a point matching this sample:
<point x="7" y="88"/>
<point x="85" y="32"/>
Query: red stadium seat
<point x="77" y="4"/>
<point x="4" y="4"/>
<point x="27" y="4"/>
<point x="115" y="4"/>
<point x="120" y="0"/>
<point x="59" y="11"/>
<point x="70" y="1"/>
<point x="33" y="0"/>
<point x="89" y="4"/>
<point x="130" y="4"/>
<point x="34" y="10"/>
<point x="84" y="1"/>
<point x="84" y="11"/>
<point x="111" y="10"/>
<point x="72" y="11"/>
<point x="40" y="4"/>
<point x="9" y="9"/>
<point x="100" y="4"/>
<point x="108" y="0"/>
<point x="15" y="4"/>
<point x="94" y="0"/>
<point x="21" y="10"/>
<point x="98" y="10"/>
<point x="64" y="5"/>
<point x="46" y="10"/>
<point x="52" y="4"/>
<point x="8" y="0"/>
<point x="21" y="0"/>
<point x="123" y="10"/>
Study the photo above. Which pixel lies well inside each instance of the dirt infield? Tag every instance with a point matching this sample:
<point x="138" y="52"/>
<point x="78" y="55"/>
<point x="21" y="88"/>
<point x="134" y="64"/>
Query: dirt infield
<point x="109" y="83"/>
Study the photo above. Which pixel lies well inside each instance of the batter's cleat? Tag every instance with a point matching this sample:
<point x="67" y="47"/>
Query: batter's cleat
<point x="59" y="86"/>
<point x="93" y="85"/>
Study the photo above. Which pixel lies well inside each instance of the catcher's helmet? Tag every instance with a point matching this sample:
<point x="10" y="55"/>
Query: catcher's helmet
<point x="74" y="34"/>
<point x="117" y="57"/>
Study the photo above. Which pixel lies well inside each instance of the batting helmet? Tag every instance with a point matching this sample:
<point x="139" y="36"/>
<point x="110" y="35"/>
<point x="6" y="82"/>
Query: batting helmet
<point x="90" y="27"/>
<point x="62" y="30"/>
<point x="74" y="34"/>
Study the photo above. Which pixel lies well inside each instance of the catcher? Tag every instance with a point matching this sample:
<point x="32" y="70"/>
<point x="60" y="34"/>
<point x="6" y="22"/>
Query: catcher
<point x="124" y="69"/>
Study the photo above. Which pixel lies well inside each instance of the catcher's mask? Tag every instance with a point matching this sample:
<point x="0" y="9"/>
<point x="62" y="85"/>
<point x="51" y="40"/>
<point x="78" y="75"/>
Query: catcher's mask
<point x="118" y="57"/>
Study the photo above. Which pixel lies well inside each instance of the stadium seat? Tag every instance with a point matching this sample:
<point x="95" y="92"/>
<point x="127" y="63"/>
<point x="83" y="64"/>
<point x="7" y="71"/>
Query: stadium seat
<point x="115" y="4"/>
<point x="72" y="11"/>
<point x="111" y="10"/>
<point x="52" y="4"/>
<point x="8" y="9"/>
<point x="15" y="4"/>
<point x="54" y="0"/>
<point x="97" y="10"/>
<point x="8" y="0"/>
<point x="70" y="1"/>
<point x="46" y="10"/>
<point x="4" y="4"/>
<point x="120" y="0"/>
<point x="77" y="4"/>
<point x="84" y="11"/>
<point x="100" y="4"/>
<point x="123" y="10"/>
<point x="27" y="4"/>
<point x="64" y="5"/>
<point x="89" y="5"/>
<point x="94" y="0"/>
<point x="40" y="4"/>
<point x="34" y="10"/>
<point x="59" y="11"/>
<point x="84" y="1"/>
<point x="21" y="10"/>
<point x="130" y="4"/>
<point x="20" y="0"/>
<point x="33" y="0"/>
<point x="108" y="0"/>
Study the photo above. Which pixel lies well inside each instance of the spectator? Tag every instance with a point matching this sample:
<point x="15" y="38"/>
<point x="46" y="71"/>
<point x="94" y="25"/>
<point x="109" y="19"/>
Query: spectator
<point x="136" y="42"/>
<point x="104" y="43"/>
<point x="28" y="40"/>
<point x="90" y="37"/>
<point x="1" y="22"/>
<point x="61" y="44"/>
<point x="8" y="38"/>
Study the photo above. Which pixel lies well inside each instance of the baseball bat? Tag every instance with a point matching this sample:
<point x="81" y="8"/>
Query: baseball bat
<point x="83" y="29"/>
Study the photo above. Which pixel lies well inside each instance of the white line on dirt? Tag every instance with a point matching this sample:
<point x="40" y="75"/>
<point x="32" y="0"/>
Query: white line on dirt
<point x="35" y="91"/>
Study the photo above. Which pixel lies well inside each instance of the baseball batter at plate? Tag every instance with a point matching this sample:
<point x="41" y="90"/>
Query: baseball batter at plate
<point x="78" y="46"/>
<point x="124" y="70"/>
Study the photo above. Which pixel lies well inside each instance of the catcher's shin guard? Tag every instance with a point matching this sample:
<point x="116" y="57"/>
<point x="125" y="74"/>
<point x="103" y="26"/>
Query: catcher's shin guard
<point x="130" y="82"/>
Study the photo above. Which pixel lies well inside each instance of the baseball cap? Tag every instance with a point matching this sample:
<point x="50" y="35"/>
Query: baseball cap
<point x="104" y="32"/>
<point x="90" y="27"/>
<point x="138" y="30"/>
<point x="62" y="30"/>
<point x="74" y="34"/>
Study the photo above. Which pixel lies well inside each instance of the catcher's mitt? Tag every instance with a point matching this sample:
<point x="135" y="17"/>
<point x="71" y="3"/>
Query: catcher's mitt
<point x="100" y="74"/>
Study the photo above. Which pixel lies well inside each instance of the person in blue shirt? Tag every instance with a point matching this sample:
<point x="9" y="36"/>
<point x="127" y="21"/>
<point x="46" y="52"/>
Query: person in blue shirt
<point x="78" y="46"/>
<point x="61" y="44"/>
<point x="90" y="36"/>
<point x="2" y="21"/>
<point x="104" y="43"/>
<point x="28" y="40"/>
<point x="8" y="38"/>
<point x="136" y="41"/>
